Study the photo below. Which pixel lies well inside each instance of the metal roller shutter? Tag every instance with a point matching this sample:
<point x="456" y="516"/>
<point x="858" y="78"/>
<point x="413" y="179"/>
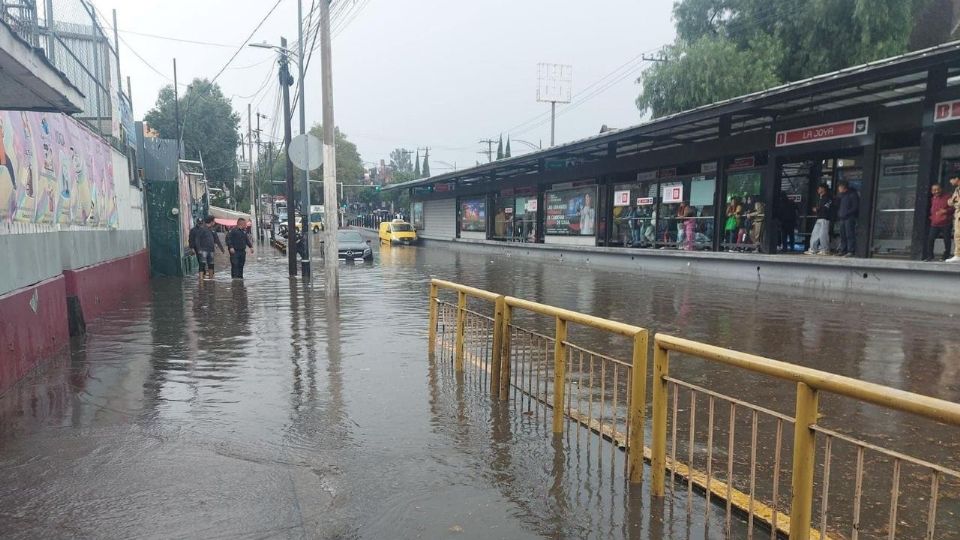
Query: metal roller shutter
<point x="439" y="219"/>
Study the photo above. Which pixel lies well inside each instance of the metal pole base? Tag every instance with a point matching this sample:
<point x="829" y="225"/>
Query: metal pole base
<point x="305" y="270"/>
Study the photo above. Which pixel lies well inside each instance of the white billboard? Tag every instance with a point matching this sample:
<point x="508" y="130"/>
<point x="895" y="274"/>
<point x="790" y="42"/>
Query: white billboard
<point x="554" y="83"/>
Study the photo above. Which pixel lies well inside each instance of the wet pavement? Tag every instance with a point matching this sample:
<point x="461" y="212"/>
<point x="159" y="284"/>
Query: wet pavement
<point x="261" y="410"/>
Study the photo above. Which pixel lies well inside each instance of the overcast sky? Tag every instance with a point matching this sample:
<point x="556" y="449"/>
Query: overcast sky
<point x="417" y="73"/>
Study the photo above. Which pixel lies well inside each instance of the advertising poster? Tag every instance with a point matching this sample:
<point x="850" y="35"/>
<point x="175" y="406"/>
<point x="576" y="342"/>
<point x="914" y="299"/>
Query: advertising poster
<point x="473" y="215"/>
<point x="53" y="170"/>
<point x="571" y="212"/>
<point x="621" y="198"/>
<point x="416" y="215"/>
<point x="671" y="193"/>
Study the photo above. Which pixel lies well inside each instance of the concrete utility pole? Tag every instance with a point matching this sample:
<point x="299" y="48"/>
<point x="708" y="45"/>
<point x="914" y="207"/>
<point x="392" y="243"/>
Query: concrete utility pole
<point x="253" y="195"/>
<point x="285" y="81"/>
<point x="176" y="109"/>
<point x="305" y="263"/>
<point x="331" y="205"/>
<point x="489" y="150"/>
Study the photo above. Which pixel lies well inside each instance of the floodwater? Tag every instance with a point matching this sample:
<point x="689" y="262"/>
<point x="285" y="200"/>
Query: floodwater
<point x="261" y="410"/>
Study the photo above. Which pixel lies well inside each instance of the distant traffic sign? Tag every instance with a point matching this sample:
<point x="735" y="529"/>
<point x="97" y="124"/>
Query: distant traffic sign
<point x="306" y="152"/>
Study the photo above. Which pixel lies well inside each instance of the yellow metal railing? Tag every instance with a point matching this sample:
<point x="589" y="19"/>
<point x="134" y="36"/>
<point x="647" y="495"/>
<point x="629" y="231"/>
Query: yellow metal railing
<point x="560" y="398"/>
<point x="810" y="384"/>
<point x="608" y="396"/>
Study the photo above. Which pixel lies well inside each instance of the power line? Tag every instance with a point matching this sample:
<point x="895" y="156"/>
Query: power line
<point x="179" y="40"/>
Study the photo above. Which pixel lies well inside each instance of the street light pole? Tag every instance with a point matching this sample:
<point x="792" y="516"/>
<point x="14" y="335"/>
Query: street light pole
<point x="305" y="263"/>
<point x="331" y="251"/>
<point x="285" y="81"/>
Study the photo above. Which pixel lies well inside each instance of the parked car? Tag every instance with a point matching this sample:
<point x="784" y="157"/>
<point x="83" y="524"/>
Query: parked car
<point x="397" y="232"/>
<point x="351" y="245"/>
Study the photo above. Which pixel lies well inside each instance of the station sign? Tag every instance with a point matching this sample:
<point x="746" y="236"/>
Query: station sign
<point x="444" y="188"/>
<point x="946" y="111"/>
<point x="823" y="132"/>
<point x="644" y="201"/>
<point x="668" y="173"/>
<point x="422" y="190"/>
<point x="708" y="167"/>
<point x="646" y="176"/>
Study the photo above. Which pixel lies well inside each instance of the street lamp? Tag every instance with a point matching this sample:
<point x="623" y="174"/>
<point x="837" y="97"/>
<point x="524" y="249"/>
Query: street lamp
<point x="528" y="143"/>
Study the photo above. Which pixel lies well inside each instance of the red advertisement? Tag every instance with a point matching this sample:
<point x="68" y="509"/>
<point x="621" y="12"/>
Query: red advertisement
<point x="946" y="110"/>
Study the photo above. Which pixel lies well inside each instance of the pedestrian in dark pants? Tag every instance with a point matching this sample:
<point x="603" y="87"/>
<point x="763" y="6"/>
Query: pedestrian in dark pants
<point x="847" y="214"/>
<point x="941" y="221"/>
<point x="192" y="242"/>
<point x="237" y="242"/>
<point x="205" y="239"/>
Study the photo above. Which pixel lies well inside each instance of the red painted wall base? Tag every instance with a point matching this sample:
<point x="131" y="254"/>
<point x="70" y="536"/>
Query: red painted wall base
<point x="34" y="320"/>
<point x="103" y="287"/>
<point x="33" y="326"/>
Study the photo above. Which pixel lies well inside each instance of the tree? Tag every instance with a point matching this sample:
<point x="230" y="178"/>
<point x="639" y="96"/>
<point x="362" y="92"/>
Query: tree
<point x="209" y="126"/>
<point x="349" y="167"/>
<point x="400" y="161"/>
<point x="739" y="46"/>
<point x="712" y="69"/>
<point x="426" y="163"/>
<point x="416" y="166"/>
<point x="507" y="151"/>
<point x="500" y="148"/>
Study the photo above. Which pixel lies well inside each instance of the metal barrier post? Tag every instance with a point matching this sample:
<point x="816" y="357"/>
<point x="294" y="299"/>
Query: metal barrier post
<point x="432" y="345"/>
<point x="804" y="461"/>
<point x="638" y="406"/>
<point x="658" y="460"/>
<point x="497" y="353"/>
<point x="559" y="374"/>
<point x="461" y="319"/>
<point x="505" y="351"/>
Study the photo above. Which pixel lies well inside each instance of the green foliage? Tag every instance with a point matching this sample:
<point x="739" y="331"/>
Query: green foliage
<point x="506" y="153"/>
<point x="209" y="126"/>
<point x="426" y="164"/>
<point x="734" y="47"/>
<point x="400" y="161"/>
<point x="711" y="69"/>
<point x="416" y="166"/>
<point x="500" y="148"/>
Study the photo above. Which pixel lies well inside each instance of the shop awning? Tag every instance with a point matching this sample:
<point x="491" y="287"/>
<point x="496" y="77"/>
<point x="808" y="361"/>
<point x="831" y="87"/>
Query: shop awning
<point x="226" y="222"/>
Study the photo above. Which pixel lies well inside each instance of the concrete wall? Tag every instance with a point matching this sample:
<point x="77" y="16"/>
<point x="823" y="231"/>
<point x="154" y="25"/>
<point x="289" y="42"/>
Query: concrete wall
<point x="55" y="278"/>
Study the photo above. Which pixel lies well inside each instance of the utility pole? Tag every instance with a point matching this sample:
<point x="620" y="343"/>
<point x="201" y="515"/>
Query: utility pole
<point x="176" y="109"/>
<point x="489" y="150"/>
<point x="285" y="81"/>
<point x="253" y="196"/>
<point x="553" y="123"/>
<point x="331" y="251"/>
<point x="257" y="179"/>
<point x="305" y="263"/>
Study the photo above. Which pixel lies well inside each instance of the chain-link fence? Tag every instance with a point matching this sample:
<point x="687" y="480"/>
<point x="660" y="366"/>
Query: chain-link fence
<point x="71" y="36"/>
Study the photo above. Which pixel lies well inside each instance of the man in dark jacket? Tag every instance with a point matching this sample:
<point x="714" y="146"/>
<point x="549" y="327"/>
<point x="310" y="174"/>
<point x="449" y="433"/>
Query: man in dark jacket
<point x="192" y="241"/>
<point x="820" y="237"/>
<point x="205" y="240"/>
<point x="847" y="215"/>
<point x="237" y="242"/>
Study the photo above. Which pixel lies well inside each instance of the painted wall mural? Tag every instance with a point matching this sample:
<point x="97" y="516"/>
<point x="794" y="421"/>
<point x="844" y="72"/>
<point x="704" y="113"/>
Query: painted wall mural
<point x="54" y="171"/>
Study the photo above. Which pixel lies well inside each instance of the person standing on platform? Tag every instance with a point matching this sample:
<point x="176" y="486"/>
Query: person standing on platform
<point x="847" y="214"/>
<point x="955" y="203"/>
<point x="238" y="241"/>
<point x="206" y="239"/>
<point x="941" y="218"/>
<point x="820" y="237"/>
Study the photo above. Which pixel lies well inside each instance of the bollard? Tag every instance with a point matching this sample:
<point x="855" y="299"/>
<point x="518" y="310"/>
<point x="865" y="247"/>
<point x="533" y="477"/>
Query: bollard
<point x="658" y="460"/>
<point x="461" y="319"/>
<point x="559" y="374"/>
<point x="638" y="406"/>
<point x="804" y="461"/>
<point x="432" y="346"/>
<point x="497" y="352"/>
<point x="505" y="351"/>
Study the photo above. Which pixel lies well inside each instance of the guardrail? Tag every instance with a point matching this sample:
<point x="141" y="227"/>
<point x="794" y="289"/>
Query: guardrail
<point x="601" y="393"/>
<point x="515" y="361"/>
<point x="810" y="384"/>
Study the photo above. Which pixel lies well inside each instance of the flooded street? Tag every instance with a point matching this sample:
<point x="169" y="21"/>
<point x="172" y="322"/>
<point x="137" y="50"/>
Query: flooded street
<point x="261" y="410"/>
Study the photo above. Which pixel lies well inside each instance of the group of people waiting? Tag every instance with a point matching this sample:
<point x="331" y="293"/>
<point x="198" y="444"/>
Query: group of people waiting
<point x="204" y="239"/>
<point x="844" y="209"/>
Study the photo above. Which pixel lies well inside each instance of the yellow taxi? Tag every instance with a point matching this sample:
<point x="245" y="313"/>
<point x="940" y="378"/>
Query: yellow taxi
<point x="397" y="232"/>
